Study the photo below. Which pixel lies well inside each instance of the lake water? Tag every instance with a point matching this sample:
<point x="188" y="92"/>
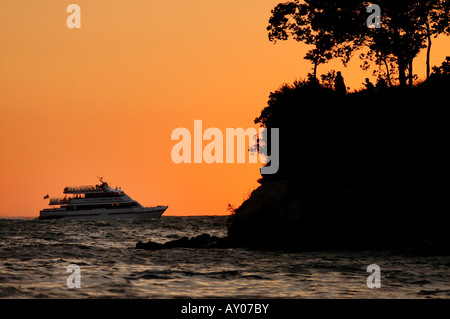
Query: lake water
<point x="34" y="256"/>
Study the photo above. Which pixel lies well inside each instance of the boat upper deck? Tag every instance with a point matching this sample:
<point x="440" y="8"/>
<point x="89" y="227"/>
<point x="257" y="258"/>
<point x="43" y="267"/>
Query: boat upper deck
<point x="86" y="189"/>
<point x="89" y="189"/>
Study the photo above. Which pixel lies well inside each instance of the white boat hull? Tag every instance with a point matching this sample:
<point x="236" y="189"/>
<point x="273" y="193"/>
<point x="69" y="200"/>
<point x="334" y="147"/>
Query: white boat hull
<point x="103" y="213"/>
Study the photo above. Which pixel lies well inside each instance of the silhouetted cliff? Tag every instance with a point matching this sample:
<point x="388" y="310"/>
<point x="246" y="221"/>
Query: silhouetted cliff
<point x="361" y="171"/>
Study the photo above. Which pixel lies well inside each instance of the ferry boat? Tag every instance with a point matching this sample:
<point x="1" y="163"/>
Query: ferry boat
<point x="97" y="202"/>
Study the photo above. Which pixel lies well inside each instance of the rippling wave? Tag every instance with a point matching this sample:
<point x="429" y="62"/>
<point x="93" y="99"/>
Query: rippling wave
<point x="34" y="256"/>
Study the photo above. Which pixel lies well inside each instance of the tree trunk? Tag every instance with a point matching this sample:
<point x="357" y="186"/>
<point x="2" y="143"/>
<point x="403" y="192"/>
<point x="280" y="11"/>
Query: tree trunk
<point x="401" y="59"/>
<point x="315" y="70"/>
<point x="388" y="73"/>
<point x="410" y="73"/>
<point x="401" y="71"/>
<point x="428" y="49"/>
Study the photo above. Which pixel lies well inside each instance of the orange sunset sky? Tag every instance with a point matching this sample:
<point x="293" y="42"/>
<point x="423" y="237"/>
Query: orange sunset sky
<point x="103" y="100"/>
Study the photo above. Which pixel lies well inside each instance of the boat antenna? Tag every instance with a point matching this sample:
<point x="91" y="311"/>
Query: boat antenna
<point x="100" y="178"/>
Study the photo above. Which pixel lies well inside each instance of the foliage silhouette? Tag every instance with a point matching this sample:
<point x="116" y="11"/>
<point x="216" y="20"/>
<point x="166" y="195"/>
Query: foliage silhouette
<point x="337" y="28"/>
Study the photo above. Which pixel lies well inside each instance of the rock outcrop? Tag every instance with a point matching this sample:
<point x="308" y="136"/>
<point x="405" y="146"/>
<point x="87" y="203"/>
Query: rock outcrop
<point x="200" y="241"/>
<point x="357" y="172"/>
<point x="363" y="171"/>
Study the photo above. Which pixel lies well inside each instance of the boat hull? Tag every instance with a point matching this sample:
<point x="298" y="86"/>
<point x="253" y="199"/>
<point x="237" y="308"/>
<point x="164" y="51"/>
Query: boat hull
<point x="125" y="213"/>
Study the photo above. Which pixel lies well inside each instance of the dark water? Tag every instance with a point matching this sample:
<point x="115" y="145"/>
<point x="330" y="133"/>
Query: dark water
<point x="34" y="256"/>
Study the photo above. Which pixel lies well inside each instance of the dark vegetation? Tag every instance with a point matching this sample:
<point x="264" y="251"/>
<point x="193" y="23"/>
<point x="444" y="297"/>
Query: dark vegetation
<point x="338" y="29"/>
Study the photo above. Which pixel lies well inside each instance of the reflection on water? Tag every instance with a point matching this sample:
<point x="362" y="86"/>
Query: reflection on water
<point x="34" y="256"/>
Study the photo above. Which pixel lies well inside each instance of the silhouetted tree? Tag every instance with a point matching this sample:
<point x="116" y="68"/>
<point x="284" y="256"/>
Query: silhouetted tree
<point x="444" y="68"/>
<point x="297" y="20"/>
<point x="337" y="28"/>
<point x="383" y="61"/>
<point x="328" y="79"/>
<point x="434" y="16"/>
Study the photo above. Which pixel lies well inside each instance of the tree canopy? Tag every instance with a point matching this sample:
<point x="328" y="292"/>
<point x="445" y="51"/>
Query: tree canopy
<point x="338" y="28"/>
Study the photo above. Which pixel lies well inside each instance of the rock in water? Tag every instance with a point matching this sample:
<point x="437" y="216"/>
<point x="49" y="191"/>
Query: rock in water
<point x="200" y="241"/>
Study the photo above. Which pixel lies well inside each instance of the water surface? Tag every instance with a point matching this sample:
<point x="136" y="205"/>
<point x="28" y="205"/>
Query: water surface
<point x="34" y="256"/>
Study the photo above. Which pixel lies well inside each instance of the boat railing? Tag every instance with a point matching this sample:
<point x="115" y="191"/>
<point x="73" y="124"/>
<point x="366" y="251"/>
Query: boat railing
<point x="82" y="189"/>
<point x="59" y="200"/>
